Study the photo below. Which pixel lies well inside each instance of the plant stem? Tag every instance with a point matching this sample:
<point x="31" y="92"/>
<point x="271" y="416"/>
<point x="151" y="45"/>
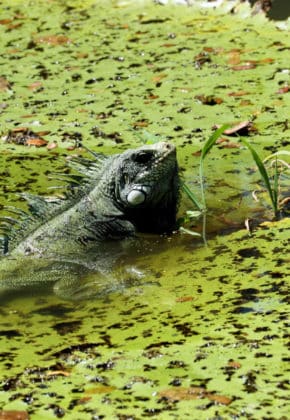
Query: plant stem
<point x="205" y="150"/>
<point x="192" y="196"/>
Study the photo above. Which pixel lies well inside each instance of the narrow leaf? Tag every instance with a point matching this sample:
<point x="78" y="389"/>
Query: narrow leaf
<point x="263" y="173"/>
<point x="148" y="138"/>
<point x="276" y="185"/>
<point x="193" y="214"/>
<point x="212" y="140"/>
<point x="279" y="153"/>
<point x="191" y="196"/>
<point x="189" y="232"/>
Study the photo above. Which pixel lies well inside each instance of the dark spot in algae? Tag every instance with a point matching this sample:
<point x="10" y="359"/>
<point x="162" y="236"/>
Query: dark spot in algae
<point x="164" y="344"/>
<point x="109" y="365"/>
<point x="11" y="384"/>
<point x="173" y="364"/>
<point x="243" y="310"/>
<point x="10" y="334"/>
<point x="261" y="354"/>
<point x="54" y="310"/>
<point x="64" y="328"/>
<point x="250" y="253"/>
<point x="250" y="382"/>
<point x="185" y="329"/>
<point x="85" y="347"/>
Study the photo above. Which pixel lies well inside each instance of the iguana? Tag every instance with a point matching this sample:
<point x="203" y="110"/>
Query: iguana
<point x="63" y="240"/>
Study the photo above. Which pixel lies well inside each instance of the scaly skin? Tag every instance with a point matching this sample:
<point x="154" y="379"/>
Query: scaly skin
<point x="133" y="191"/>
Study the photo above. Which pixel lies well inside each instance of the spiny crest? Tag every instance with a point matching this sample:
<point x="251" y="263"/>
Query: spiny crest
<point x="18" y="224"/>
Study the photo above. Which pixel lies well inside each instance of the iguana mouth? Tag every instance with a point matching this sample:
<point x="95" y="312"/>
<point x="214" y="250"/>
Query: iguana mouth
<point x="164" y="149"/>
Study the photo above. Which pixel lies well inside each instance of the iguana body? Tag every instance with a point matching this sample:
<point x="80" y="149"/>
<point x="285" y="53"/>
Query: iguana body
<point x="63" y="240"/>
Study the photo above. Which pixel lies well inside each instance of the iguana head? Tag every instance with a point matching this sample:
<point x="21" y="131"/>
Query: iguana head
<point x="146" y="186"/>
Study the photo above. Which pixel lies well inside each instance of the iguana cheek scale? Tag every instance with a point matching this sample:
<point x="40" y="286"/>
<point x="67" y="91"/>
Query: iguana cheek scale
<point x="137" y="196"/>
<point x="75" y="241"/>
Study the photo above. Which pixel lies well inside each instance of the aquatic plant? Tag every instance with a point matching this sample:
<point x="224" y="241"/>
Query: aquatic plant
<point x="278" y="167"/>
<point x="201" y="204"/>
<point x="271" y="181"/>
<point x="272" y="187"/>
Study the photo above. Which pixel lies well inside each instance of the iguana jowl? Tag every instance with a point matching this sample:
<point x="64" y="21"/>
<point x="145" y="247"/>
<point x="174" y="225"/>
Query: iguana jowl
<point x="63" y="239"/>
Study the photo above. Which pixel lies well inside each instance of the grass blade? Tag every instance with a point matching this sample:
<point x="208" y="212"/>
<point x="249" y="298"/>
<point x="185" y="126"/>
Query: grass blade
<point x="147" y="138"/>
<point x="191" y="196"/>
<point x="190" y="232"/>
<point x="264" y="174"/>
<point x="276" y="184"/>
<point x="279" y="153"/>
<point x="212" y="140"/>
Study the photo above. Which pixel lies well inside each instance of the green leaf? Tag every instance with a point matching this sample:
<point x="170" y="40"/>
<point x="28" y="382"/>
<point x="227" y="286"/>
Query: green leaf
<point x="148" y="138"/>
<point x="264" y="174"/>
<point x="276" y="183"/>
<point x="212" y="140"/>
<point x="193" y="214"/>
<point x="189" y="232"/>
<point x="279" y="153"/>
<point x="191" y="196"/>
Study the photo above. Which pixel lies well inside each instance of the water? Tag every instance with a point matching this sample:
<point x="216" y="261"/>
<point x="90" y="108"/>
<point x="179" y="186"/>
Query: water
<point x="203" y="317"/>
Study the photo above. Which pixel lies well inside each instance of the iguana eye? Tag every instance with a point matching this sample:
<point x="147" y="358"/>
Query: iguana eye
<point x="143" y="157"/>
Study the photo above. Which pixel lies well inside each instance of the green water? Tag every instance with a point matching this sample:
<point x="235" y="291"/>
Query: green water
<point x="209" y="317"/>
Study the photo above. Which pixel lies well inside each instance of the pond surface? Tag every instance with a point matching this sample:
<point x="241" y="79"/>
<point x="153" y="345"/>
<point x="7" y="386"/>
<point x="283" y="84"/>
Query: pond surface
<point x="204" y="334"/>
